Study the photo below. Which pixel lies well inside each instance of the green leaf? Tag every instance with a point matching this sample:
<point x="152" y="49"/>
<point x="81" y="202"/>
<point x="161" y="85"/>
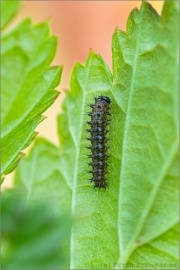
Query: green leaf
<point x="161" y="253"/>
<point x="41" y="177"/>
<point x="150" y="143"/>
<point x="96" y="209"/>
<point x="134" y="219"/>
<point x="33" y="237"/>
<point x="8" y="11"/>
<point x="27" y="87"/>
<point x="44" y="198"/>
<point x="133" y="224"/>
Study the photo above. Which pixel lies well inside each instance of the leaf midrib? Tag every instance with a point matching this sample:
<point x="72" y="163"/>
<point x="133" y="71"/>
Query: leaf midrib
<point x="125" y="133"/>
<point x="77" y="158"/>
<point x="131" y="246"/>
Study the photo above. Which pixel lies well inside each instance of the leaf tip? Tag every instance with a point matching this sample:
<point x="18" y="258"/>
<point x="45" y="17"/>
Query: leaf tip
<point x="60" y="70"/>
<point x="35" y="133"/>
<point x="43" y="117"/>
<point x="116" y="32"/>
<point x="91" y="52"/>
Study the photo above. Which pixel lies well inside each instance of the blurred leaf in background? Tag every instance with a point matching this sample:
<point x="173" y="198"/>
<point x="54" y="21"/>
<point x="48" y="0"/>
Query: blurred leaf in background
<point x="42" y="177"/>
<point x="36" y="215"/>
<point x="27" y="83"/>
<point x="33" y="237"/>
<point x="8" y="11"/>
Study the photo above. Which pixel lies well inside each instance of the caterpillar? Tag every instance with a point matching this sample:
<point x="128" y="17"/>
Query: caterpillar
<point x="98" y="138"/>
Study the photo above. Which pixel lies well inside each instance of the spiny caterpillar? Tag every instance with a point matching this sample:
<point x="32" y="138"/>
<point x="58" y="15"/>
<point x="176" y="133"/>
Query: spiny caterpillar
<point x="99" y="148"/>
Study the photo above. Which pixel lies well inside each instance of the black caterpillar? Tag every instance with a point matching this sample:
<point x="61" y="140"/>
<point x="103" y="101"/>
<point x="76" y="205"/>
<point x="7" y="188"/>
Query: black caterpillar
<point x="99" y="149"/>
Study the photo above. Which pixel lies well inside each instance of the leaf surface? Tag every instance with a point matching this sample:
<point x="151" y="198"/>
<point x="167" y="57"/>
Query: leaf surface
<point x="8" y="11"/>
<point x="150" y="143"/>
<point x="96" y="210"/>
<point x="132" y="224"/>
<point x="139" y="210"/>
<point x="36" y="216"/>
<point x="40" y="176"/>
<point x="27" y="87"/>
<point x="33" y="237"/>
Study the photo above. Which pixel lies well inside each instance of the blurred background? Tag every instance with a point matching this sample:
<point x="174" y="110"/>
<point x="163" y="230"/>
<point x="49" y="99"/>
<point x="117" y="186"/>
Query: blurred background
<point x="80" y="26"/>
